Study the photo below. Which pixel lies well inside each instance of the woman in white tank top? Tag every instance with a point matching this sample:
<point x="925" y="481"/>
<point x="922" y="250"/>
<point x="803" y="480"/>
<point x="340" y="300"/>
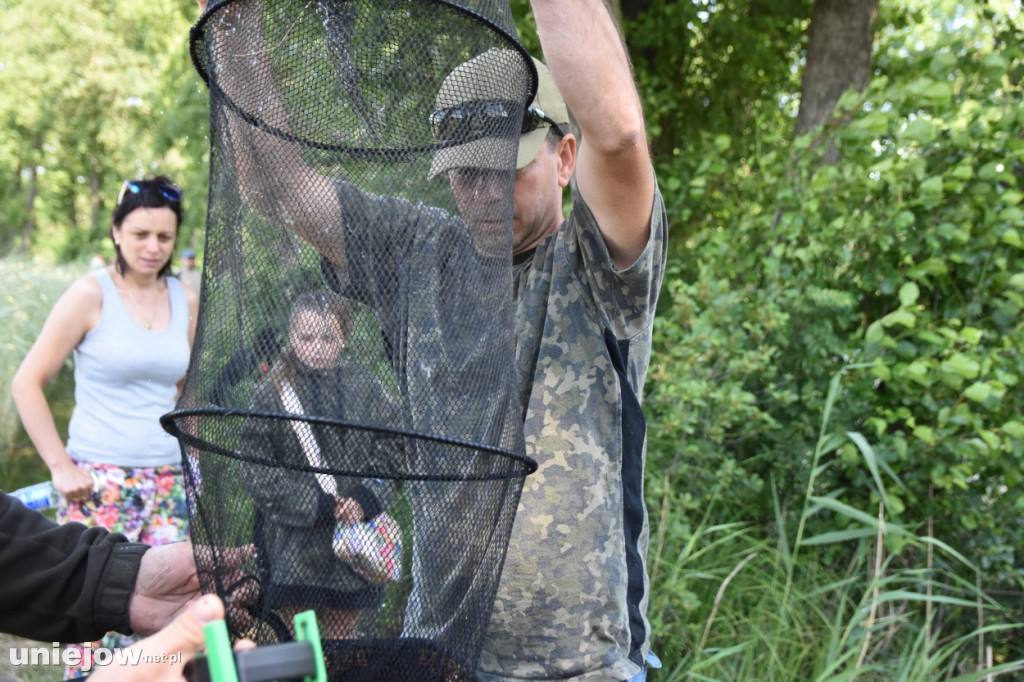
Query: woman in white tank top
<point x="130" y="327"/>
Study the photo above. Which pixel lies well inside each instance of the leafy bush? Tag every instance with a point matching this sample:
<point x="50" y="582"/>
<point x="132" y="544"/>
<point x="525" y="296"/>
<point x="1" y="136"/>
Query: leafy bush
<point x="902" y="269"/>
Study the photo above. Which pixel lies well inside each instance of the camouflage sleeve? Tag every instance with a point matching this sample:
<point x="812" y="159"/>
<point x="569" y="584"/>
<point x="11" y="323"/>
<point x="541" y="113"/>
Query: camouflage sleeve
<point x="626" y="298"/>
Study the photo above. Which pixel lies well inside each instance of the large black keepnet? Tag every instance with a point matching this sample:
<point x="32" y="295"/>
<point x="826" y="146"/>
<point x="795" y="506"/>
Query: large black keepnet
<point x="354" y="356"/>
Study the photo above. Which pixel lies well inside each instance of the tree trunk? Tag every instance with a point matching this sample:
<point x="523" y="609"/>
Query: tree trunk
<point x="30" y="198"/>
<point x="839" y="57"/>
<point x="94" y="198"/>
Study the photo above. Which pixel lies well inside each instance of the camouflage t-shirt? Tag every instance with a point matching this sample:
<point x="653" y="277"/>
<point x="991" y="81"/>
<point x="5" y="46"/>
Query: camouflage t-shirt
<point x="573" y="596"/>
<point x="446" y="319"/>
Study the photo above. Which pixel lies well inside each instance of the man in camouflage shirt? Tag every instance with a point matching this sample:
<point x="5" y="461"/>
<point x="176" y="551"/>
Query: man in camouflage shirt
<point x="573" y="596"/>
<point x="574" y="591"/>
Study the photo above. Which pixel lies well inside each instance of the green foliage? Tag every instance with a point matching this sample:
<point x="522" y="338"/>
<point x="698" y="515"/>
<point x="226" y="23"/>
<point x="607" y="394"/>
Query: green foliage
<point x="715" y="67"/>
<point x="30" y="290"/>
<point x="902" y="267"/>
<point x="743" y="604"/>
<point x="89" y="95"/>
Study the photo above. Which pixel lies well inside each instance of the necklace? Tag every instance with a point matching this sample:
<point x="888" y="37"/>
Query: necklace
<point x="149" y="324"/>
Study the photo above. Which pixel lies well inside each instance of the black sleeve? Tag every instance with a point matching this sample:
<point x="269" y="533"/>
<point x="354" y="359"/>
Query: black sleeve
<point x="62" y="583"/>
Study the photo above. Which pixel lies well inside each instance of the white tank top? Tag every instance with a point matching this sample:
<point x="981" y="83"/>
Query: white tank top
<point x="125" y="378"/>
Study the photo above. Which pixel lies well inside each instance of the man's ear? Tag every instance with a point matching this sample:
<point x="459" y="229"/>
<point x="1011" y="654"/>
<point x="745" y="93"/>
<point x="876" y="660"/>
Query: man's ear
<point x="566" y="152"/>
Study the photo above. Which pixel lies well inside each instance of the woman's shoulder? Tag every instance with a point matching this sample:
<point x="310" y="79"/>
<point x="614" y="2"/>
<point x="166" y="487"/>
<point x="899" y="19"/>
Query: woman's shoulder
<point x="355" y="373"/>
<point x="348" y="369"/>
<point x="86" y="293"/>
<point x="78" y="309"/>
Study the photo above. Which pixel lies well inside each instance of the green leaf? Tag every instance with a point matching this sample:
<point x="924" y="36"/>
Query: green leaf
<point x="939" y="92"/>
<point x="978" y="392"/>
<point x="919" y="371"/>
<point x="876" y="330"/>
<point x="932" y="266"/>
<point x="901" y="316"/>
<point x="906" y="595"/>
<point x="921" y="130"/>
<point x="881" y="371"/>
<point x="925" y="433"/>
<point x="941" y="64"/>
<point x="909" y="293"/>
<point x="1013" y="429"/>
<point x="875" y="123"/>
<point x="903" y="220"/>
<point x="932" y="185"/>
<point x="972" y="335"/>
<point x="962" y="171"/>
<point x="871" y="460"/>
<point x="880" y="425"/>
<point x="1012" y="215"/>
<point x="931" y="337"/>
<point x="1011" y="197"/>
<point x="835" y="536"/>
<point x="961" y="365"/>
<point x="846" y="510"/>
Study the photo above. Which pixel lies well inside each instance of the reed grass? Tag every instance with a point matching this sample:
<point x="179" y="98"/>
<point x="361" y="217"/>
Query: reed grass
<point x="30" y="290"/>
<point x="735" y="602"/>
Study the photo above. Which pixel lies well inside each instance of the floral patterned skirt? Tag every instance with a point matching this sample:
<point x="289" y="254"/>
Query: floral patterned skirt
<point x="146" y="504"/>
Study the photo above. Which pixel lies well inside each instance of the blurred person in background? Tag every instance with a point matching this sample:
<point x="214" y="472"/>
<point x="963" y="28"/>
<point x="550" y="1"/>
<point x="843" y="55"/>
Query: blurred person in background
<point x="189" y="274"/>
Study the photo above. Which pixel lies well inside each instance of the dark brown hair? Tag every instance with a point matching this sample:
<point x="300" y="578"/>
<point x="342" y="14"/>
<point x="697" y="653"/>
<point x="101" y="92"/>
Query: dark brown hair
<point x="149" y="196"/>
<point x="322" y="303"/>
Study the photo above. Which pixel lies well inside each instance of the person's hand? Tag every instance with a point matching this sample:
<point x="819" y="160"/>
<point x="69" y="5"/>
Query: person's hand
<point x="73" y="482"/>
<point x="167" y="582"/>
<point x="164" y="655"/>
<point x="202" y="5"/>
<point x="243" y="587"/>
<point x="347" y="510"/>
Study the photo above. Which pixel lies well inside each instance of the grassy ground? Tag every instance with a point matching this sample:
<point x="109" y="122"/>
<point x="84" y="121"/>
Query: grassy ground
<point x="30" y="292"/>
<point x="23" y="673"/>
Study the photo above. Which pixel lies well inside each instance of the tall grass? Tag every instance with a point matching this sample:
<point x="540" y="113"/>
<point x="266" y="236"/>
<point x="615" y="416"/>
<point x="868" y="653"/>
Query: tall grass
<point x="863" y="601"/>
<point x="30" y="290"/>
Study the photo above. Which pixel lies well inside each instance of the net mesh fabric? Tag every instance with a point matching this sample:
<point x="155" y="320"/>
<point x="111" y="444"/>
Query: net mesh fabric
<point x="355" y="346"/>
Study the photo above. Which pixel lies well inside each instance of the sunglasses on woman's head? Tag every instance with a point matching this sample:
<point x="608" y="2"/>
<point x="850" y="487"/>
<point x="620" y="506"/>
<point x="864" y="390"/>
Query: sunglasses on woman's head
<point x="169" y="192"/>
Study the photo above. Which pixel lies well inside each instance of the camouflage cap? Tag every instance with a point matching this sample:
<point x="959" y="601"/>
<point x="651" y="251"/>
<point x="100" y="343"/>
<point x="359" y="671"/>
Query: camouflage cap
<point x="480" y="80"/>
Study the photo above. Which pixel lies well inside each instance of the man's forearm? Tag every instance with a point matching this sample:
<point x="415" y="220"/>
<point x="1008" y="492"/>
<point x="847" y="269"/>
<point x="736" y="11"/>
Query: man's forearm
<point x="63" y="583"/>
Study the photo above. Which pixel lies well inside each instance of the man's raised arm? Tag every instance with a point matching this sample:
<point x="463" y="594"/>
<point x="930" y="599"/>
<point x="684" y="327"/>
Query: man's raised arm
<point x="588" y="60"/>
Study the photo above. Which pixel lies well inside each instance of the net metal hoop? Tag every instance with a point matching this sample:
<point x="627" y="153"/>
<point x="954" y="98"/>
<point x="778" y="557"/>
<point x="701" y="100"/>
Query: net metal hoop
<point x="526" y="464"/>
<point x="195" y="45"/>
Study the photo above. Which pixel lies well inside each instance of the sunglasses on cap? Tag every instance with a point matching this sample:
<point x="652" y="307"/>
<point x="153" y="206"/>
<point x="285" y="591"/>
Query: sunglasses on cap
<point x="474" y="119"/>
<point x="169" y="192"/>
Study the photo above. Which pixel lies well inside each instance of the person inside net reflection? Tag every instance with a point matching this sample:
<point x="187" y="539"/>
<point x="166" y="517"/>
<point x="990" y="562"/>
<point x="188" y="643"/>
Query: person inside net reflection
<point x="299" y="510"/>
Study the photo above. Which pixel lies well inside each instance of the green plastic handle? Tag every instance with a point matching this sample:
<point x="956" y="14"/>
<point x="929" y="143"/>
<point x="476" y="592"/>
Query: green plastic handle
<point x="219" y="657"/>
<point x="307" y="630"/>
